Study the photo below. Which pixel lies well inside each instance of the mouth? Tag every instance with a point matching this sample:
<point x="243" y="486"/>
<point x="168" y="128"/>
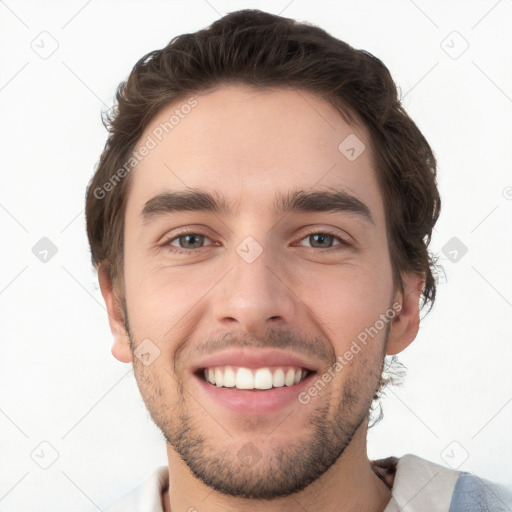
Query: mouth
<point x="253" y="391"/>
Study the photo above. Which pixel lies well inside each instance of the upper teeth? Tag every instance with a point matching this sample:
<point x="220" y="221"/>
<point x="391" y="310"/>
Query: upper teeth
<point x="247" y="378"/>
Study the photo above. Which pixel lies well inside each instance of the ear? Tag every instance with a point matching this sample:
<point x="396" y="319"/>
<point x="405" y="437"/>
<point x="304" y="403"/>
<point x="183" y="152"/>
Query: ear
<point x="121" y="348"/>
<point x="406" y="323"/>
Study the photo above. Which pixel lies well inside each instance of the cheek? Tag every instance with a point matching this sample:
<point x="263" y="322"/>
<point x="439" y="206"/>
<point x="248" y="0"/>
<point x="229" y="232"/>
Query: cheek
<point x="160" y="301"/>
<point x="346" y="300"/>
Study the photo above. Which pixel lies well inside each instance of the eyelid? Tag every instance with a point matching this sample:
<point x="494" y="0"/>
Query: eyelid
<point x="342" y="240"/>
<point x="177" y="237"/>
<point x="182" y="231"/>
<point x="339" y="234"/>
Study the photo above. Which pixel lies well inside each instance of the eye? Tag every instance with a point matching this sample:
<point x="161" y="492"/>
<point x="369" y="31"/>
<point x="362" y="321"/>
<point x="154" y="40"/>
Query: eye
<point x="188" y="241"/>
<point x="323" y="240"/>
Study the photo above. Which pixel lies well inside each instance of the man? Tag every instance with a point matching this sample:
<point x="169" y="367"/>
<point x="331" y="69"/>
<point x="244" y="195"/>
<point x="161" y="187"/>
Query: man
<point x="260" y="219"/>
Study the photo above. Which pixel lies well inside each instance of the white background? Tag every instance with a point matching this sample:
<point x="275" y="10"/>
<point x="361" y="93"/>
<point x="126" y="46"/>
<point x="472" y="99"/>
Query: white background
<point x="60" y="384"/>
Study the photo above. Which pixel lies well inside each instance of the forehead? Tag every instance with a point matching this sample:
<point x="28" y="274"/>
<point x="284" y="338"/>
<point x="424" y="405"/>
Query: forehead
<point x="247" y="145"/>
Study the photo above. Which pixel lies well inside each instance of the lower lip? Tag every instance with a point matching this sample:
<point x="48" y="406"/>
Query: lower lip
<point x="254" y="401"/>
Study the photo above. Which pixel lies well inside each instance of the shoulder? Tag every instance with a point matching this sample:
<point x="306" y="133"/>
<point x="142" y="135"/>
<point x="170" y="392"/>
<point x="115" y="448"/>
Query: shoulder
<point x="419" y="485"/>
<point x="474" y="494"/>
<point x="146" y="497"/>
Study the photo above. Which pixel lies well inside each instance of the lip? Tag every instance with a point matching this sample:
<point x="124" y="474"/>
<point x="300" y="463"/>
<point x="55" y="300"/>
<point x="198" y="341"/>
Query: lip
<point x="256" y="358"/>
<point x="254" y="401"/>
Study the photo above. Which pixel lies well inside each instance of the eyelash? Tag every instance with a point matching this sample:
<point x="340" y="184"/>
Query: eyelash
<point x="178" y="250"/>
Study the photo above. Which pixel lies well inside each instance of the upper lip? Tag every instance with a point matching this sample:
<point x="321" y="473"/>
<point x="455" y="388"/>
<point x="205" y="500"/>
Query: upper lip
<point x="255" y="358"/>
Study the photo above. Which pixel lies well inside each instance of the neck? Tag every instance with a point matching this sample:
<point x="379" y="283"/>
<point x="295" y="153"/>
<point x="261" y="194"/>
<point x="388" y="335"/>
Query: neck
<point x="349" y="485"/>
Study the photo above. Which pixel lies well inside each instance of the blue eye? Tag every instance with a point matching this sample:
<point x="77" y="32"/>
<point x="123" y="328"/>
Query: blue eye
<point x="189" y="240"/>
<point x="321" y="239"/>
<point x="324" y="240"/>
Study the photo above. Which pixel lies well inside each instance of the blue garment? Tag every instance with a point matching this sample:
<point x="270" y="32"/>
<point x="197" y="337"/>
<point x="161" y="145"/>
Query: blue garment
<point x="474" y="494"/>
<point x="420" y="485"/>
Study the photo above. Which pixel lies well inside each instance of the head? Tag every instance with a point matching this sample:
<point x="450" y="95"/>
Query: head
<point x="262" y="188"/>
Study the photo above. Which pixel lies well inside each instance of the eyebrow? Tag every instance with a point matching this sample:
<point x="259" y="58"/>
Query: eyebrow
<point x="296" y="201"/>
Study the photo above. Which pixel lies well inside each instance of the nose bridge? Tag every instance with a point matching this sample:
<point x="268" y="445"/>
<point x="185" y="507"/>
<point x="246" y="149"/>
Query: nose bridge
<point x="253" y="293"/>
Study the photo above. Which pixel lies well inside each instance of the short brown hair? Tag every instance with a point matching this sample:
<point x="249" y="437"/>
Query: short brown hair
<point x="263" y="50"/>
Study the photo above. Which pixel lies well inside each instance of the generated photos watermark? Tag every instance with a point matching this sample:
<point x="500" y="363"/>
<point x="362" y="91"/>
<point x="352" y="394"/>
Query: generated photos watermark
<point x="343" y="360"/>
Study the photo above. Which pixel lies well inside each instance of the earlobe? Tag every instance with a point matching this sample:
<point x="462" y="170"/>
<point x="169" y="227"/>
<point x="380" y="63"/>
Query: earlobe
<point x="121" y="348"/>
<point x="406" y="323"/>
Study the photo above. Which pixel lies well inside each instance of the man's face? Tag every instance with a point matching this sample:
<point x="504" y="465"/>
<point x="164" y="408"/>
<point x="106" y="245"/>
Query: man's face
<point x="293" y="288"/>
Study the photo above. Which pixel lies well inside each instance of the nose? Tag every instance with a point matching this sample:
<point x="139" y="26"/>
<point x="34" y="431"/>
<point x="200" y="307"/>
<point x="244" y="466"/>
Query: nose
<point x="254" y="295"/>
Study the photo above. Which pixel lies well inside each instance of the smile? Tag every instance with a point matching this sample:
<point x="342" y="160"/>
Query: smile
<point x="251" y="391"/>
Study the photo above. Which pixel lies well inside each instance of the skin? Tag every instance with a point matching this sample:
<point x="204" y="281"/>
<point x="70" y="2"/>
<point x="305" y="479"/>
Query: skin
<point x="247" y="145"/>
